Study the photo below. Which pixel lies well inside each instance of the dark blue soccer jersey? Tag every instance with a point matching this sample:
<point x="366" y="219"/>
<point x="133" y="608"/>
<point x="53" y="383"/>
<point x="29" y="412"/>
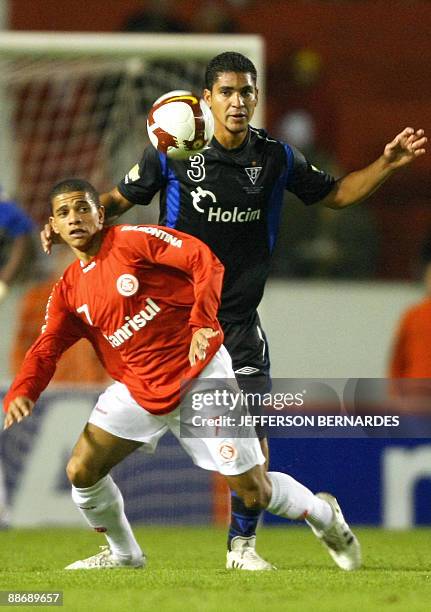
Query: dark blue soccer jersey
<point x="231" y="199"/>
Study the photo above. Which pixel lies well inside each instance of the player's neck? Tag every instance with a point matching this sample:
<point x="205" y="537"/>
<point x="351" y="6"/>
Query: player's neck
<point x="230" y="140"/>
<point x="87" y="252"/>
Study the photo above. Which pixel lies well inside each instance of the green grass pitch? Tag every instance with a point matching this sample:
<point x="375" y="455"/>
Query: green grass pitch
<point x="185" y="572"/>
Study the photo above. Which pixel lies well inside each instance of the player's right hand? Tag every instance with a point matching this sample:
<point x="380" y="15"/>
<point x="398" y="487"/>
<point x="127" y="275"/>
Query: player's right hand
<point x="48" y="238"/>
<point x="200" y="343"/>
<point x="18" y="409"/>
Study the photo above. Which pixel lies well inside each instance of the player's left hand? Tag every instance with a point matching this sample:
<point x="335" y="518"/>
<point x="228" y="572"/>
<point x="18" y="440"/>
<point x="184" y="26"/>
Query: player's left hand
<point x="18" y="409"/>
<point x="405" y="147"/>
<point x="48" y="237"/>
<point x="200" y="343"/>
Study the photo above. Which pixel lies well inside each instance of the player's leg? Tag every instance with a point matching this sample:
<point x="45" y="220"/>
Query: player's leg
<point x="117" y="427"/>
<point x="248" y="348"/>
<point x="244" y="519"/>
<point x="284" y="496"/>
<point x="99" y="499"/>
<point x="234" y="451"/>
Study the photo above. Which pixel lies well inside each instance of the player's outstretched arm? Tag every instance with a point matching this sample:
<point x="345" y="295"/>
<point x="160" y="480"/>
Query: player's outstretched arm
<point x="18" y="409"/>
<point x="200" y="343"/>
<point x="407" y="146"/>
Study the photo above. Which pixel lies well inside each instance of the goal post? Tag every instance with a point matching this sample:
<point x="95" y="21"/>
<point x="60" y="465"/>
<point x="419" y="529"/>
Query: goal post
<point x="76" y="103"/>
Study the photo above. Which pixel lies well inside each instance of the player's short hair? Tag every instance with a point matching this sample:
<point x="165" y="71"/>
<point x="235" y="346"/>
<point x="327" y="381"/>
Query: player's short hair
<point x="75" y="184"/>
<point x="229" y="61"/>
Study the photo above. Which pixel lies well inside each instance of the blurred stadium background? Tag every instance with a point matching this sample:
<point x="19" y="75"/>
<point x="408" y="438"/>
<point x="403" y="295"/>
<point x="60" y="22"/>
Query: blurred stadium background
<point x="339" y="79"/>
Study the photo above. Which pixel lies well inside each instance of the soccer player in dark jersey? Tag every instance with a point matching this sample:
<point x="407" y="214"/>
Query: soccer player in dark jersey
<point x="150" y="296"/>
<point x="230" y="196"/>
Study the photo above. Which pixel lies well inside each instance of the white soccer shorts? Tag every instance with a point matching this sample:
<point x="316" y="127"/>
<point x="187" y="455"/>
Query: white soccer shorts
<point x="120" y="415"/>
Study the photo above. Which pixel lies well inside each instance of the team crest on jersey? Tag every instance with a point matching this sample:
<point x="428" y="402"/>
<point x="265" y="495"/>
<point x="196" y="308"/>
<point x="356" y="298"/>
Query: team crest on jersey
<point x="253" y="173"/>
<point x="127" y="285"/>
<point x="227" y="451"/>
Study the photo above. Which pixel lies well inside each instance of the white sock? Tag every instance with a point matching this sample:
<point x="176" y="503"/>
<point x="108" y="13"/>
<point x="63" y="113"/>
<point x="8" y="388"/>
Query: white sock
<point x="102" y="506"/>
<point x="292" y="500"/>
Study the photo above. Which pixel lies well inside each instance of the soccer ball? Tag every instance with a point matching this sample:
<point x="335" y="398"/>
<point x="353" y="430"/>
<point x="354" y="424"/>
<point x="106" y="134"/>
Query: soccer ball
<point x="180" y="124"/>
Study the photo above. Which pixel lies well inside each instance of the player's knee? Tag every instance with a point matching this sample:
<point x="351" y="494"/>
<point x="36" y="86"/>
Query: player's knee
<point x="255" y="499"/>
<point x="256" y="495"/>
<point x="80" y="474"/>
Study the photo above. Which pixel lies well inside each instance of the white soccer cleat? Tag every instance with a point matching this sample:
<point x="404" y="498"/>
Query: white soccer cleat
<point x="243" y="556"/>
<point x="105" y="560"/>
<point x="338" y="538"/>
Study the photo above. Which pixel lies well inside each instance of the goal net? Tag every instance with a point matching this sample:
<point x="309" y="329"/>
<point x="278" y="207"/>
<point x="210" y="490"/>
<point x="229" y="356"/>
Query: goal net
<point x="75" y="105"/>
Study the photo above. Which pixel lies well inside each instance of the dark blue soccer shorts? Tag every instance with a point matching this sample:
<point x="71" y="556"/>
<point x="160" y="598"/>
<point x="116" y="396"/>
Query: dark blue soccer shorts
<point x="248" y="347"/>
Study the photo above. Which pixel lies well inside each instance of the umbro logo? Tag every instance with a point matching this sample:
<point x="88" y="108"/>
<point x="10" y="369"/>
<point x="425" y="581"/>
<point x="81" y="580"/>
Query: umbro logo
<point x="247" y="370"/>
<point x="253" y="173"/>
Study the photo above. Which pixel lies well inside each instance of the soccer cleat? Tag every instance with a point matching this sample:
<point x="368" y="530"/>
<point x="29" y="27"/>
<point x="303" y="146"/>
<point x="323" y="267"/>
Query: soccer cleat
<point x="243" y="556"/>
<point x="105" y="560"/>
<point x="338" y="538"/>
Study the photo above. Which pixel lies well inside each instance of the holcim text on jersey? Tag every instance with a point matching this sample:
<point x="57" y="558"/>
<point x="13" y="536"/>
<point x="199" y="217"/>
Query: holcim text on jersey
<point x="233" y="216"/>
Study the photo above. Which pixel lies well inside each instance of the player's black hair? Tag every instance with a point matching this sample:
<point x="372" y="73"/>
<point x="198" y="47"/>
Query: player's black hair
<point x="229" y="61"/>
<point x="74" y="184"/>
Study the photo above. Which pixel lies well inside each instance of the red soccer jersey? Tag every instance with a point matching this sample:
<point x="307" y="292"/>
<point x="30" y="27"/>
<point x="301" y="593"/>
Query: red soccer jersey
<point x="139" y="300"/>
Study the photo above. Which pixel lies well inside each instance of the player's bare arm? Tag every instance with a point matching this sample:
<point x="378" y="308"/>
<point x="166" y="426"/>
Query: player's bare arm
<point x="200" y="343"/>
<point x="115" y="205"/>
<point x="18" y="409"/>
<point x="407" y="146"/>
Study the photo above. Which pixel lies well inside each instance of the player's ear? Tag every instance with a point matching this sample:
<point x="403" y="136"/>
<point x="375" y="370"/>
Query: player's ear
<point x="256" y="94"/>
<point x="101" y="212"/>
<point x="207" y="97"/>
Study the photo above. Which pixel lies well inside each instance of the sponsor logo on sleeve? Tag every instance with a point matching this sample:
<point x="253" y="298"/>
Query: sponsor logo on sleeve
<point x="155" y="231"/>
<point x="133" y="175"/>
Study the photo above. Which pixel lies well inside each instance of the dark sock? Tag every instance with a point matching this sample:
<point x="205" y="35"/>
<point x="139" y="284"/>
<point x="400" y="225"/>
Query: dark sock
<point x="243" y="520"/>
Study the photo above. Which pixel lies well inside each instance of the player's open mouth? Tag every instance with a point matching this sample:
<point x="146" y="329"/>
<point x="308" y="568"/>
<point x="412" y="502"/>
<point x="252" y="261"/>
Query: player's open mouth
<point x="77" y="233"/>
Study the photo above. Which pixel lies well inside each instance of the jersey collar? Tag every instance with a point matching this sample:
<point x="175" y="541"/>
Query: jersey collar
<point x="241" y="147"/>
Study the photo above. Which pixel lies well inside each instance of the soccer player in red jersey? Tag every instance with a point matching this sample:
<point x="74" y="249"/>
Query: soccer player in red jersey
<point x="150" y="296"/>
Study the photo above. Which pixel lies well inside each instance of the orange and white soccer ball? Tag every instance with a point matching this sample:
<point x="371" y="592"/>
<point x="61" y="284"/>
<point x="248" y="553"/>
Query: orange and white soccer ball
<point x="180" y="124"/>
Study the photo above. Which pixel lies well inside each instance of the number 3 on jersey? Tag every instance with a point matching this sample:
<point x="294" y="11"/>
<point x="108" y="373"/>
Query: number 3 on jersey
<point x="196" y="172"/>
<point x="85" y="310"/>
